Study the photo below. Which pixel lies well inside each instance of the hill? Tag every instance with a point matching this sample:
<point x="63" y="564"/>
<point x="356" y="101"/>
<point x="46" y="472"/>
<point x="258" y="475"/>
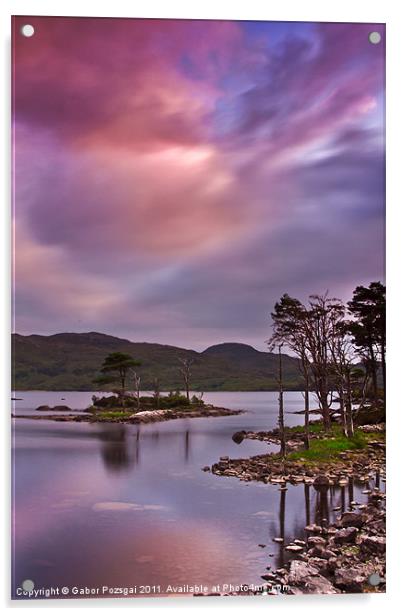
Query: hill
<point x="70" y="361"/>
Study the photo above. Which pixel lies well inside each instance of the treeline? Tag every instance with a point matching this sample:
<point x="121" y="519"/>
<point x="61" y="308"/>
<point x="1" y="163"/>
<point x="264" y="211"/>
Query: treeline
<point x="340" y="348"/>
<point x="118" y="372"/>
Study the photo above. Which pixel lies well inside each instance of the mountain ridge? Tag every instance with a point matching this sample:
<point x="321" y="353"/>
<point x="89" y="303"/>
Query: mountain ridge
<point x="71" y="360"/>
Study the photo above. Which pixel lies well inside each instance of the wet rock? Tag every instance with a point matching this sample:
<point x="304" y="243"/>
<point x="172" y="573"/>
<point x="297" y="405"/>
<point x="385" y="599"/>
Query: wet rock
<point x="321" y="564"/>
<point x="278" y="539"/>
<point x="321" y="481"/>
<point x="352" y="579"/>
<point x="346" y="535"/>
<point x="313" y="528"/>
<point x="372" y="544"/>
<point x="299" y="571"/>
<point x="318" y="551"/>
<point x="206" y="469"/>
<point x="294" y="548"/>
<point x="356" y="520"/>
<point x="308" y="579"/>
<point x="313" y="541"/>
<point x="238" y="437"/>
<point x="319" y="585"/>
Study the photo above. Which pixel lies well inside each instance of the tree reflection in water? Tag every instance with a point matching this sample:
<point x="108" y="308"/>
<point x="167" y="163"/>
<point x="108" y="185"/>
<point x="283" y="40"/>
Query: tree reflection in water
<point x="117" y="453"/>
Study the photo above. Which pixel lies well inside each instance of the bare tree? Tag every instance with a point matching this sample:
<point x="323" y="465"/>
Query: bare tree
<point x="157" y="391"/>
<point x="318" y="334"/>
<point x="281" y="417"/>
<point x="185" y="371"/>
<point x="137" y="383"/>
<point x="290" y="322"/>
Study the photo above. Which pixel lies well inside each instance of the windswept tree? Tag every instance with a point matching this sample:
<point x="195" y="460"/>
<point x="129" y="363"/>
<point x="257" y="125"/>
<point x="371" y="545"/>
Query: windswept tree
<point x="321" y="312"/>
<point x="185" y="371"/>
<point x="367" y="308"/>
<point x="115" y="370"/>
<point x="343" y="356"/>
<point x="289" y="328"/>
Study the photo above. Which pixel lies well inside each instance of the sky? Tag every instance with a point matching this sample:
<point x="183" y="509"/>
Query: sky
<point x="173" y="178"/>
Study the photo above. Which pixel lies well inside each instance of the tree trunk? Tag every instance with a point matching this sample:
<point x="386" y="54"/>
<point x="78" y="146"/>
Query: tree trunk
<point x="342" y="412"/>
<point x="383" y="367"/>
<point x="307" y="417"/>
<point x="349" y="409"/>
<point x="325" y="413"/>
<point x="373" y="371"/>
<point x="281" y="421"/>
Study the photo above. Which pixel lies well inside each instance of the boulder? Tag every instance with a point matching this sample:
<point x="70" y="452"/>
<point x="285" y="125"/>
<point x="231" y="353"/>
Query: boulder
<point x="352" y="579"/>
<point x="351" y="518"/>
<point x="319" y="585"/>
<point x="313" y="541"/>
<point x="372" y="544"/>
<point x="43" y="407"/>
<point x="321" y="481"/>
<point x="300" y="571"/>
<point x="313" y="528"/>
<point x="61" y="407"/>
<point x="238" y="437"/>
<point x="345" y="535"/>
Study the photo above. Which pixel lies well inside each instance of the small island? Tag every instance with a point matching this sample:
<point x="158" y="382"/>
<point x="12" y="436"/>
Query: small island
<point x="126" y="406"/>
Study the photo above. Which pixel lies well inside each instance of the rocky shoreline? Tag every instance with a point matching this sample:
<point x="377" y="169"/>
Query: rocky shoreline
<point x="347" y="556"/>
<point x="359" y="464"/>
<point x="136" y="418"/>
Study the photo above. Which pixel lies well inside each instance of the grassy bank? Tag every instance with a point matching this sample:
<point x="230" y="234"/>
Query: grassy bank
<point x="324" y="446"/>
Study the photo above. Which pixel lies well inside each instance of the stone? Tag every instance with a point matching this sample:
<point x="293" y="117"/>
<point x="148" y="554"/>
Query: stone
<point x="43" y="407"/>
<point x="278" y="539"/>
<point x="299" y="571"/>
<point x="373" y="544"/>
<point x="353" y="519"/>
<point x="312" y="541"/>
<point x="346" y="535"/>
<point x="294" y="548"/>
<point x="319" y="563"/>
<point x="352" y="579"/>
<point x="321" y="481"/>
<point x="206" y="469"/>
<point x="313" y="528"/>
<point x="319" y="585"/>
<point x="238" y="437"/>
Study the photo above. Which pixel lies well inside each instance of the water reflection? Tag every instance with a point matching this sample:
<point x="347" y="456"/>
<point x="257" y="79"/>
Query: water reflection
<point x="115" y="450"/>
<point x="162" y="519"/>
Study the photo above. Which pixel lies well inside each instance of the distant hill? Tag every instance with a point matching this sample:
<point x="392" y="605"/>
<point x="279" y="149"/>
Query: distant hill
<point x="71" y="361"/>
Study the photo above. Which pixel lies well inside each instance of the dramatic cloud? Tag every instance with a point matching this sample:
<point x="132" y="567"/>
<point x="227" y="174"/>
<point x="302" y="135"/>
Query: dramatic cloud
<point x="173" y="178"/>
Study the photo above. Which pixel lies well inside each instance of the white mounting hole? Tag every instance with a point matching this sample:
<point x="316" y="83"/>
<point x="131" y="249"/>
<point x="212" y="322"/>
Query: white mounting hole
<point x="27" y="30"/>
<point x="375" y="38"/>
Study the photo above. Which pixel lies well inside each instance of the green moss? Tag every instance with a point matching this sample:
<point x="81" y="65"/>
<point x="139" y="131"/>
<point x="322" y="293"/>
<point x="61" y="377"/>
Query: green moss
<point x="111" y="415"/>
<point x="331" y="446"/>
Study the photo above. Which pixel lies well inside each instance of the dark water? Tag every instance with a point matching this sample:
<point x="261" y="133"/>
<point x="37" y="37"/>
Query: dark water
<point x="118" y="505"/>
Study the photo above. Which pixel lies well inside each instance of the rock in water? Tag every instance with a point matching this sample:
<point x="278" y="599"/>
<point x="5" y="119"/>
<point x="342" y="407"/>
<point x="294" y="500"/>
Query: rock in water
<point x="321" y="481"/>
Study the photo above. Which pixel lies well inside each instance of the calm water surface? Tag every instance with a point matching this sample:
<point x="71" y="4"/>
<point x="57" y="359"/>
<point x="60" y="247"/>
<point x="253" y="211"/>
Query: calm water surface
<point x="121" y="505"/>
